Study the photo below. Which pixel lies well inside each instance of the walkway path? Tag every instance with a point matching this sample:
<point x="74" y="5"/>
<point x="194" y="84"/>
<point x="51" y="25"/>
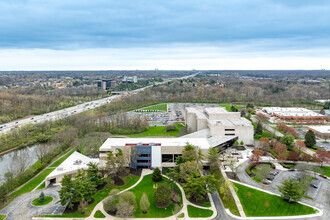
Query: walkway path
<point x="185" y="203"/>
<point x="268" y="127"/>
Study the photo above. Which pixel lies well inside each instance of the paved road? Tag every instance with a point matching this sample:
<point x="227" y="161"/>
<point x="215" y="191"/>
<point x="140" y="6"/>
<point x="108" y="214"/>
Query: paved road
<point x="268" y="127"/>
<point x="222" y="215"/>
<point x="21" y="208"/>
<point x="4" y="128"/>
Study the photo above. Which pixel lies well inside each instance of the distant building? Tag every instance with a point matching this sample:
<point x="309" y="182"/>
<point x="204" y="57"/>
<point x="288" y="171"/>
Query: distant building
<point x="294" y="114"/>
<point x="130" y="79"/>
<point x="322" y="101"/>
<point x="106" y="84"/>
<point x="321" y="131"/>
<point x="220" y="123"/>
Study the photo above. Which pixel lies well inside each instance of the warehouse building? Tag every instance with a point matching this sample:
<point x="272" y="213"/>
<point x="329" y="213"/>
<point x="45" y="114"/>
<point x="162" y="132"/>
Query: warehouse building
<point x="294" y="114"/>
<point x="321" y="131"/>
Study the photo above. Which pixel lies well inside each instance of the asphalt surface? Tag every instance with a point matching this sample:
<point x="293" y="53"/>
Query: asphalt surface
<point x="21" y="208"/>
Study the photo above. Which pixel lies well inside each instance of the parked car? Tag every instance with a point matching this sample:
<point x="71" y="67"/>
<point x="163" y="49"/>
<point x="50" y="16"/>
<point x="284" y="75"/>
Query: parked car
<point x="266" y="181"/>
<point x="270" y="177"/>
<point x="274" y="173"/>
<point x="314" y="186"/>
<point x="323" y="176"/>
<point x="291" y="170"/>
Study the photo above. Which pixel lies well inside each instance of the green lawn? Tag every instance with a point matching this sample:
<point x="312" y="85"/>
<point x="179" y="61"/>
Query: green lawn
<point x="159" y="107"/>
<point x="47" y="200"/>
<point x="59" y="161"/>
<point x="98" y="214"/>
<point x="206" y="204"/>
<point x="195" y="212"/>
<point x="42" y="186"/>
<point x="228" y="106"/>
<point x="146" y="186"/>
<point x="230" y="203"/>
<point x="33" y="183"/>
<point x="99" y="196"/>
<point x="2" y="217"/>
<point x="255" y="204"/>
<point x="261" y="171"/>
<point x="159" y="131"/>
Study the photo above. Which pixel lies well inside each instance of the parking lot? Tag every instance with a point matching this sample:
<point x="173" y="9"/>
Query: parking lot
<point x="175" y="113"/>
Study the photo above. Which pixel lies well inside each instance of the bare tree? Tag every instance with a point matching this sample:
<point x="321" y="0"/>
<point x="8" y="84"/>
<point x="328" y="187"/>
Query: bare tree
<point x="21" y="161"/>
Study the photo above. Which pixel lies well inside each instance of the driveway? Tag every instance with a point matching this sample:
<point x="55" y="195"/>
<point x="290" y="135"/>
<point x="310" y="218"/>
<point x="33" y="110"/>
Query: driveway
<point x="21" y="207"/>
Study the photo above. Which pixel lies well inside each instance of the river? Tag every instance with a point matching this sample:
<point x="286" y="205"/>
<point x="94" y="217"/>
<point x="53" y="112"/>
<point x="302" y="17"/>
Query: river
<point x="7" y="161"/>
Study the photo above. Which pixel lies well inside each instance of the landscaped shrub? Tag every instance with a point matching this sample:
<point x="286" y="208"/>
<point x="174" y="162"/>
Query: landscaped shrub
<point x="156" y="175"/>
<point x="171" y="127"/>
<point x="249" y="168"/>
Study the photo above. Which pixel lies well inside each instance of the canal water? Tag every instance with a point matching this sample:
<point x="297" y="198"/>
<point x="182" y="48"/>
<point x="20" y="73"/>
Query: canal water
<point x="7" y="161"/>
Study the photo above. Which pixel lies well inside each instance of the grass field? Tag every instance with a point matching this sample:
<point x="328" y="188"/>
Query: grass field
<point x="159" y="107"/>
<point x="256" y="204"/>
<point x="47" y="200"/>
<point x="261" y="171"/>
<point x="33" y="183"/>
<point x="195" y="212"/>
<point x="2" y="217"/>
<point x="59" y="161"/>
<point x="42" y="186"/>
<point x="146" y="186"/>
<point x="228" y="106"/>
<point x="98" y="214"/>
<point x="159" y="131"/>
<point x="99" y="196"/>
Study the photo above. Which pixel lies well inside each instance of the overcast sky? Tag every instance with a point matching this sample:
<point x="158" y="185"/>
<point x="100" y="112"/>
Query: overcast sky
<point x="164" y="34"/>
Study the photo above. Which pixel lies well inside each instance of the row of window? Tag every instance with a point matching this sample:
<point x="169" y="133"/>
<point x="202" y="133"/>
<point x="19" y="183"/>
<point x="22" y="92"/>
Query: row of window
<point x="167" y="158"/>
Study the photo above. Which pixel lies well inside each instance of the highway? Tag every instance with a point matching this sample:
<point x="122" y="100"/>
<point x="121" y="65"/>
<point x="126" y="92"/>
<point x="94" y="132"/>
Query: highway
<point x="4" y="128"/>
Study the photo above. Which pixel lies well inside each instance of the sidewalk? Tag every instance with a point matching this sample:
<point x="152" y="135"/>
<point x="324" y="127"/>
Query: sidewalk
<point x="184" y="210"/>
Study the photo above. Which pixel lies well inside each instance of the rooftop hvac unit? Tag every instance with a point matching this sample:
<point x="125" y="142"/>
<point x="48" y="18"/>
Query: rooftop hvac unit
<point x="77" y="162"/>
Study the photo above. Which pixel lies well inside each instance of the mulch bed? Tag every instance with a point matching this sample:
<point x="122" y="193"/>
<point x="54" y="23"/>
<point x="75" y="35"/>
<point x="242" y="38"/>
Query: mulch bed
<point x="232" y="176"/>
<point x="75" y="207"/>
<point x="201" y="202"/>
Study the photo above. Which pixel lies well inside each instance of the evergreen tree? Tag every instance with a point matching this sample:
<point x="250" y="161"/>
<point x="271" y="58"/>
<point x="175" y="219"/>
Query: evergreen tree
<point x="156" y="175"/>
<point x="41" y="197"/>
<point x="144" y="203"/>
<point x="259" y="128"/>
<point x="310" y="139"/>
<point x="290" y="190"/>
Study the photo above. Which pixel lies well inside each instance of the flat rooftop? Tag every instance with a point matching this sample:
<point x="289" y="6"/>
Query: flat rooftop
<point x="231" y="122"/>
<point x="216" y="110"/>
<point x="199" y="113"/>
<point x="291" y="111"/>
<point x="325" y="129"/>
<point x="168" y="142"/>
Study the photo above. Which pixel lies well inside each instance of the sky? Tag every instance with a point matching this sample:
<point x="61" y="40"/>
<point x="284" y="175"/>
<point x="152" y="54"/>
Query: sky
<point x="164" y="34"/>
